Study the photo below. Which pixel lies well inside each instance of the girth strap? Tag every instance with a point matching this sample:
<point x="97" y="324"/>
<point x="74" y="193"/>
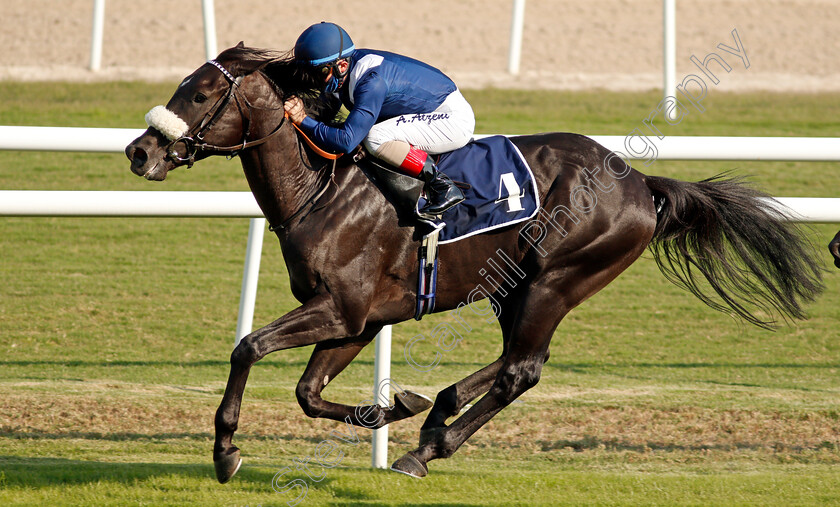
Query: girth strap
<point x="427" y="274"/>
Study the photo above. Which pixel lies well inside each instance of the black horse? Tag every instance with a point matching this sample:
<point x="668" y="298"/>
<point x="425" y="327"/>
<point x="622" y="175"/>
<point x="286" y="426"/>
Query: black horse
<point x="834" y="248"/>
<point x="353" y="265"/>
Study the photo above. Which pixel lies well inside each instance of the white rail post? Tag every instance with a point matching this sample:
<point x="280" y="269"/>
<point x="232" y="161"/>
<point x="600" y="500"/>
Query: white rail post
<point x="209" y="13"/>
<point x="516" y="26"/>
<point x="96" y="34"/>
<point x="250" y="276"/>
<point x="669" y="52"/>
<point x="381" y="395"/>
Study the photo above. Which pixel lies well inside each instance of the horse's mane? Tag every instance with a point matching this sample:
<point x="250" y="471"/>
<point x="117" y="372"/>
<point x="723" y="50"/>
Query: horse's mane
<point x="288" y="77"/>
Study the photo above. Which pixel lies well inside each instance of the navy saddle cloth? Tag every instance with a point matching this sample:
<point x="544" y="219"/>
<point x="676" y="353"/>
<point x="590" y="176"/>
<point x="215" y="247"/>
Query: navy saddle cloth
<point x="502" y="188"/>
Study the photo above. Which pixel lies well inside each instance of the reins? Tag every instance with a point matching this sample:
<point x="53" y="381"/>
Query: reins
<point x="312" y="200"/>
<point x="244" y="144"/>
<point x="321" y="153"/>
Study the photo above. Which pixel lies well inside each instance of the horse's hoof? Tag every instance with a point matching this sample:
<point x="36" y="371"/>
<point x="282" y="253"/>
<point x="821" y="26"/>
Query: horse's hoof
<point x="227" y="466"/>
<point x="409" y="465"/>
<point x="428" y="435"/>
<point x="412" y="402"/>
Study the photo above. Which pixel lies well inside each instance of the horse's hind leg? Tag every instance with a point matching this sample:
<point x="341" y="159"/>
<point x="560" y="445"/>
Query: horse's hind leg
<point x="328" y="360"/>
<point x="533" y="317"/>
<point x="450" y="401"/>
<point x="519" y="371"/>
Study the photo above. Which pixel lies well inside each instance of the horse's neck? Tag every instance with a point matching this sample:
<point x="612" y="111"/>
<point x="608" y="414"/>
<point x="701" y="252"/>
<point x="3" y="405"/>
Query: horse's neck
<point x="283" y="178"/>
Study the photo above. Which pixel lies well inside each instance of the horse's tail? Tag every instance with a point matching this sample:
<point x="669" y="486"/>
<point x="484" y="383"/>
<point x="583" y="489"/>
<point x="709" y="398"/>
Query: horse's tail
<point x="751" y="256"/>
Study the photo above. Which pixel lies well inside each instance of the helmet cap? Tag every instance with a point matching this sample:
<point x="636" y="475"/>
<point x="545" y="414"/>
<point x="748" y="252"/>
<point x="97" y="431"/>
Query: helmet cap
<point x="323" y="43"/>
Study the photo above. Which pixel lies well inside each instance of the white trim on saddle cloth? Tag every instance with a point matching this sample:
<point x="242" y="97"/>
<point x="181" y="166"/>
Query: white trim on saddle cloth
<point x="510" y="167"/>
<point x="166" y="122"/>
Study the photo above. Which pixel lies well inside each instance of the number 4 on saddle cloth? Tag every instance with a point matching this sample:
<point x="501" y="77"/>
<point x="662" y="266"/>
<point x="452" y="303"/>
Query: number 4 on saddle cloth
<point x="500" y="191"/>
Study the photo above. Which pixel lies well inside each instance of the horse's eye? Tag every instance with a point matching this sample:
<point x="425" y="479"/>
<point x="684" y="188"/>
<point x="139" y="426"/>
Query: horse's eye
<point x="199" y="98"/>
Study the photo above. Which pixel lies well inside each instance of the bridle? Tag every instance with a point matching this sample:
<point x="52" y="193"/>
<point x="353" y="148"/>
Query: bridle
<point x="193" y="139"/>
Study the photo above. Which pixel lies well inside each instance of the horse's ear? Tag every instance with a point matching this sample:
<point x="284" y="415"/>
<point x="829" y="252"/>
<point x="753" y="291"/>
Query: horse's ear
<point x="241" y="44"/>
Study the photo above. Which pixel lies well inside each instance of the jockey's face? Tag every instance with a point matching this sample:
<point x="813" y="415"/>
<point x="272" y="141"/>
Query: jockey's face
<point x="327" y="70"/>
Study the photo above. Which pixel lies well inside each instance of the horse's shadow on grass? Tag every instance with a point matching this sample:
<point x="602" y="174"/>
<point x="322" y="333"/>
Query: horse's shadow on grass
<point x="36" y="472"/>
<point x="40" y="472"/>
<point x="613" y="445"/>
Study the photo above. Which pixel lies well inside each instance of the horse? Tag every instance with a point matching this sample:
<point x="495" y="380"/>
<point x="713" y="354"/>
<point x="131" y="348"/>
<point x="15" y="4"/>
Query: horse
<point x="353" y="264"/>
<point x="834" y="248"/>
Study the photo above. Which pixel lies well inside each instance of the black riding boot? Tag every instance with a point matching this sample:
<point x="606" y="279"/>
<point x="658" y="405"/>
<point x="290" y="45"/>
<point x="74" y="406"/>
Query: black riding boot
<point x="441" y="192"/>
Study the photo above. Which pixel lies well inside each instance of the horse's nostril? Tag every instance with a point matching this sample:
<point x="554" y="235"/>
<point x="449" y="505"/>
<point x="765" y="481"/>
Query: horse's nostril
<point x="138" y="157"/>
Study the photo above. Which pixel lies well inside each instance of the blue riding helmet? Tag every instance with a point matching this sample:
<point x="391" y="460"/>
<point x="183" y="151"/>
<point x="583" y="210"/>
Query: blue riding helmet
<point x="323" y="43"/>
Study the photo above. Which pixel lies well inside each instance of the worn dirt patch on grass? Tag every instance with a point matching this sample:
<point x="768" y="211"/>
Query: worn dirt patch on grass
<point x="536" y="429"/>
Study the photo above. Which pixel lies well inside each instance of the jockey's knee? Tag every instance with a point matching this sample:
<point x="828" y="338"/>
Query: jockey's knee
<point x="393" y="152"/>
<point x="374" y="141"/>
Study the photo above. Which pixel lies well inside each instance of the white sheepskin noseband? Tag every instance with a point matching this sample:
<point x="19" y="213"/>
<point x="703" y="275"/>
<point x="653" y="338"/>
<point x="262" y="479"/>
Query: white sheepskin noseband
<point x="166" y="122"/>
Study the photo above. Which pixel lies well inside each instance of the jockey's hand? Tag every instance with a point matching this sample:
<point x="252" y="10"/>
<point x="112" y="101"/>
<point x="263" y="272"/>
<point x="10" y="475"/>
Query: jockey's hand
<point x="294" y="107"/>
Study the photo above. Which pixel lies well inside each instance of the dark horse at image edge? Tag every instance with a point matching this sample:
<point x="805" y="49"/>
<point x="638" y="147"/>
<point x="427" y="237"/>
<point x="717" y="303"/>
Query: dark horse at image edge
<point x="834" y="248"/>
<point x="353" y="263"/>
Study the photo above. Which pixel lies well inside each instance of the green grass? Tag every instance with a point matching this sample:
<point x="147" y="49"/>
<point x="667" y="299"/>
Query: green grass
<point x="116" y="335"/>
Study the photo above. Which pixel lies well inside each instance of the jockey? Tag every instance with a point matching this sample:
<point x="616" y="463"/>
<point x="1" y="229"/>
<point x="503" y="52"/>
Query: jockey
<point x="401" y="109"/>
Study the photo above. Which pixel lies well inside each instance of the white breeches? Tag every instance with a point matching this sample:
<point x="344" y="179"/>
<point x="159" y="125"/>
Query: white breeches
<point x="447" y="128"/>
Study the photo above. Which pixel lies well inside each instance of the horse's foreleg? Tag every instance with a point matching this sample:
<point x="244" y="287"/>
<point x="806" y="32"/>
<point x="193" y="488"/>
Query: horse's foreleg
<point x="327" y="361"/>
<point x="316" y="321"/>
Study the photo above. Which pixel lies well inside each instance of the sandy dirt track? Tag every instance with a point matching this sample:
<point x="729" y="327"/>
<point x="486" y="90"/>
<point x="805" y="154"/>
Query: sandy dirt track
<point x="791" y="45"/>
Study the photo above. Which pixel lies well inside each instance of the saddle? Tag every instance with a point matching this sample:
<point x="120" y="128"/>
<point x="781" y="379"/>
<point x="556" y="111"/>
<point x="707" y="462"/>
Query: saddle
<point x="402" y="191"/>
